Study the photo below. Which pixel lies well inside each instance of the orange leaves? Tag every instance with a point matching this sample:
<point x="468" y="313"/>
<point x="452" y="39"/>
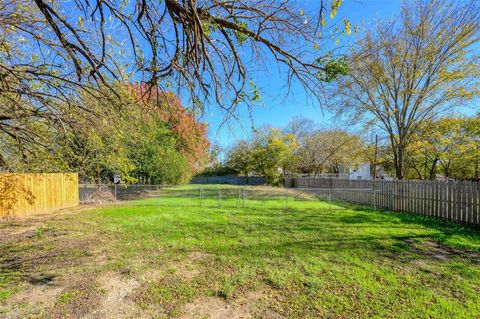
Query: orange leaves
<point x="191" y="134"/>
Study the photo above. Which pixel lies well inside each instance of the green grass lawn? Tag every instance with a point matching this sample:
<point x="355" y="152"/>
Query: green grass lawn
<point x="173" y="258"/>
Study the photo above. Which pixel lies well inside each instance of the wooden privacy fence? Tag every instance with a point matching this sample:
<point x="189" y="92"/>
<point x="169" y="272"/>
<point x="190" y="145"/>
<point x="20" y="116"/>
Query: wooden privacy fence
<point x="24" y="194"/>
<point x="453" y="200"/>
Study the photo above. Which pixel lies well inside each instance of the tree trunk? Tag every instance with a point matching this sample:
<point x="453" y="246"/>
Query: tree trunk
<point x="433" y="170"/>
<point x="418" y="172"/>
<point x="446" y="169"/>
<point x="476" y="163"/>
<point x="2" y="161"/>
<point x="398" y="150"/>
<point x="375" y="158"/>
<point x="399" y="160"/>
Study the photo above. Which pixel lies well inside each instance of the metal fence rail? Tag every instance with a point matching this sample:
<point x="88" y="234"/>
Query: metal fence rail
<point x="360" y="196"/>
<point x="454" y="201"/>
<point x="221" y="196"/>
<point x="451" y="200"/>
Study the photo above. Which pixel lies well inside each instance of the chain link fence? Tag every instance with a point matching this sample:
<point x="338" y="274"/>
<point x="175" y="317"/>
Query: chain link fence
<point x="452" y="201"/>
<point x="221" y="196"/>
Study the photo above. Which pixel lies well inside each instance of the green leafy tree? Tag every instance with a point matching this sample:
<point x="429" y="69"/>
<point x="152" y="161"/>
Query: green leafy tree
<point x="326" y="151"/>
<point x="240" y="157"/>
<point x="269" y="153"/>
<point x="274" y="154"/>
<point x="53" y="53"/>
<point x="152" y="150"/>
<point x="116" y="137"/>
<point x="89" y="141"/>
<point x="411" y="69"/>
<point x="448" y="146"/>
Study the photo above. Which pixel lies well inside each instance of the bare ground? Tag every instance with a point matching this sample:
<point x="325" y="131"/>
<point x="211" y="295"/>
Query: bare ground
<point x="64" y="271"/>
<point x="69" y="266"/>
<point x="247" y="306"/>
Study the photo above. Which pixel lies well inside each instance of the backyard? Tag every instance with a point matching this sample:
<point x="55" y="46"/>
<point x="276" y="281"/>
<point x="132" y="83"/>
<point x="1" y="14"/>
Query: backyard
<point x="178" y="257"/>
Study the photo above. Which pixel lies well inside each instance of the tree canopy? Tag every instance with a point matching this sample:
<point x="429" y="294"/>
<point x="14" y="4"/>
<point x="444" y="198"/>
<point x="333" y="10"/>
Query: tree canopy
<point x="159" y="143"/>
<point x="412" y="69"/>
<point x="276" y="154"/>
<point x="448" y="146"/>
<point x="326" y="151"/>
<point x="55" y="55"/>
<point x="205" y="47"/>
<point x="269" y="153"/>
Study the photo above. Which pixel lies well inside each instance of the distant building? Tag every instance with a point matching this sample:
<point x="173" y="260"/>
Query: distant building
<point x="354" y="171"/>
<point x="362" y="171"/>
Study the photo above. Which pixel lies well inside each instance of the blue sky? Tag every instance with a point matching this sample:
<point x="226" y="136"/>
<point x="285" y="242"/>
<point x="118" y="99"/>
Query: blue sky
<point x="276" y="110"/>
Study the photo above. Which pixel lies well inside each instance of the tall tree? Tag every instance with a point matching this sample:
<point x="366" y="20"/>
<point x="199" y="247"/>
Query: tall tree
<point x="191" y="134"/>
<point x="52" y="50"/>
<point x="269" y="152"/>
<point x="448" y="146"/>
<point x="328" y="150"/>
<point x="300" y="127"/>
<point x="204" y="45"/>
<point x="240" y="157"/>
<point x="412" y="68"/>
<point x="274" y="154"/>
<point x="162" y="145"/>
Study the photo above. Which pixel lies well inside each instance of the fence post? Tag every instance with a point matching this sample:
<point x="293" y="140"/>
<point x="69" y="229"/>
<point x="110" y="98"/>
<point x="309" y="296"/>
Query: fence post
<point x="286" y="198"/>
<point x="243" y="197"/>
<point x="200" y="195"/>
<point x="330" y="198"/>
<point x="219" y="197"/>
<point x="115" y="190"/>
<point x="392" y="197"/>
<point x="238" y="198"/>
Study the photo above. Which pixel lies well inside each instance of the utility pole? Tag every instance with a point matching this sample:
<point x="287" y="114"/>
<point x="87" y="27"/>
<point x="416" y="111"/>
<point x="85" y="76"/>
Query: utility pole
<point x="375" y="158"/>
<point x="476" y="160"/>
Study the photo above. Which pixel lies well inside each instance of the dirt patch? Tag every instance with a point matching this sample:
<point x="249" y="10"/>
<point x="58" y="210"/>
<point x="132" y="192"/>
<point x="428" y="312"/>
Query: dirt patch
<point x="18" y="234"/>
<point x="78" y="300"/>
<point x="115" y="301"/>
<point x="438" y="251"/>
<point x="47" y="266"/>
<point x="309" y="194"/>
<point x="14" y="230"/>
<point x="45" y="255"/>
<point x="33" y="299"/>
<point x="247" y="306"/>
<point x="188" y="268"/>
<point x="99" y="196"/>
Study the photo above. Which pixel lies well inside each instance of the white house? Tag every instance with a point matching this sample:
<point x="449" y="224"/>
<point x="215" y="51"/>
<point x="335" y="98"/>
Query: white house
<point x="361" y="172"/>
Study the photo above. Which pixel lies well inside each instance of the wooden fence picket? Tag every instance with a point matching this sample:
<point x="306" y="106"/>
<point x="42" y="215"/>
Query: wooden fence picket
<point x="24" y="194"/>
<point x="451" y="200"/>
